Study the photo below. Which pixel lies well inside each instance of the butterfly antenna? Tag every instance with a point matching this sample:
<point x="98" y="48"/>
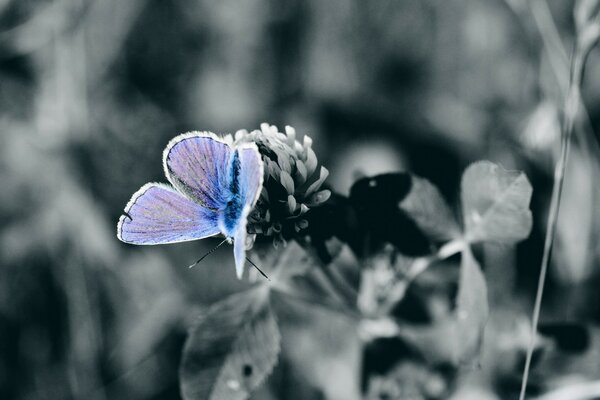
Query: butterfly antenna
<point x="258" y="269"/>
<point x="207" y="254"/>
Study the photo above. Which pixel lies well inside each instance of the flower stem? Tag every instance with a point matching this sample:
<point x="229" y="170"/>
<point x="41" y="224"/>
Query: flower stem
<point x="572" y="102"/>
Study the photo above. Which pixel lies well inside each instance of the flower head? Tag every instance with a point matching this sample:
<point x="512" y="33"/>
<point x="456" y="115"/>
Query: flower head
<point x="292" y="182"/>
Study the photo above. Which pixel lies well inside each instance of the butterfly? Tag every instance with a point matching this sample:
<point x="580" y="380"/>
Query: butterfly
<point x="214" y="186"/>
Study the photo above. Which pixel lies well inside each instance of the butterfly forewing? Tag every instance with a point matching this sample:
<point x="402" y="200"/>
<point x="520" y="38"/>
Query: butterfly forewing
<point x="157" y="214"/>
<point x="197" y="164"/>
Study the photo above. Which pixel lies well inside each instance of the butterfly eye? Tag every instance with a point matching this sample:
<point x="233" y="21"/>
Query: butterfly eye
<point x="247" y="370"/>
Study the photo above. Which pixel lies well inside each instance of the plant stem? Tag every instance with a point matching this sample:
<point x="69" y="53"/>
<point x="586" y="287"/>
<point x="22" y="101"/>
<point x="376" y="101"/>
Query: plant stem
<point x="451" y="248"/>
<point x="337" y="307"/>
<point x="571" y="106"/>
<point x="328" y="283"/>
<point x="341" y="284"/>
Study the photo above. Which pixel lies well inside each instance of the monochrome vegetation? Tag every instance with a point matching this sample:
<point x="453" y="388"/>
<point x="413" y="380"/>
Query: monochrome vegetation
<point x="390" y="200"/>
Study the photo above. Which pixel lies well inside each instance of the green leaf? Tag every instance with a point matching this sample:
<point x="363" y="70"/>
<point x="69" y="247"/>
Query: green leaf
<point x="495" y="203"/>
<point x="232" y="349"/>
<point x="426" y="206"/>
<point x="471" y="308"/>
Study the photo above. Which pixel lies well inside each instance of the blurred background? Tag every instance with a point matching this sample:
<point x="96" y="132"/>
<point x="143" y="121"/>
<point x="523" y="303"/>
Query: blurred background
<point x="92" y="90"/>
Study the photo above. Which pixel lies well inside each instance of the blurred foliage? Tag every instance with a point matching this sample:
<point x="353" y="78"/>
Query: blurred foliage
<point x="91" y="91"/>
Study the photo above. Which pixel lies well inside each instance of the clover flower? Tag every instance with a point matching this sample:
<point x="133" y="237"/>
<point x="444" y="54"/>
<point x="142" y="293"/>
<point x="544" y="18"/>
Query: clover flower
<point x="292" y="183"/>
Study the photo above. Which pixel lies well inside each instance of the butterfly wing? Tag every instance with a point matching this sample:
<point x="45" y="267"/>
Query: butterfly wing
<point x="197" y="164"/>
<point x="247" y="179"/>
<point x="158" y="214"/>
<point x="251" y="174"/>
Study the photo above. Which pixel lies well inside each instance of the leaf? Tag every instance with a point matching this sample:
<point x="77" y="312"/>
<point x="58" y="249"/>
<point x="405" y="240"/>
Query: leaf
<point x="495" y="203"/>
<point x="232" y="349"/>
<point x="426" y="206"/>
<point x="471" y="308"/>
<point x="322" y="346"/>
<point x="379" y="220"/>
<point x="456" y="338"/>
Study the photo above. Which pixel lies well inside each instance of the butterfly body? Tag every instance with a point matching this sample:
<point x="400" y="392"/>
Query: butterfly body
<point x="215" y="185"/>
<point x="234" y="206"/>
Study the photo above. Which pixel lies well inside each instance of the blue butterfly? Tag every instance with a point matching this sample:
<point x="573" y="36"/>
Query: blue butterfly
<point x="215" y="185"/>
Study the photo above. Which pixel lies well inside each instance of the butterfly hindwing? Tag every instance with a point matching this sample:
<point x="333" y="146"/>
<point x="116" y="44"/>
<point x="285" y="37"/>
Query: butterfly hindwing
<point x="197" y="164"/>
<point x="157" y="214"/>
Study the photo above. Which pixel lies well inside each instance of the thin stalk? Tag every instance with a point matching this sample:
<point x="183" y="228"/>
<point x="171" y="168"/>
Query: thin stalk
<point x="557" y="56"/>
<point x="559" y="61"/>
<point x="328" y="282"/>
<point x="419" y="266"/>
<point x="334" y="306"/>
<point x="341" y="284"/>
<point x="571" y="107"/>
